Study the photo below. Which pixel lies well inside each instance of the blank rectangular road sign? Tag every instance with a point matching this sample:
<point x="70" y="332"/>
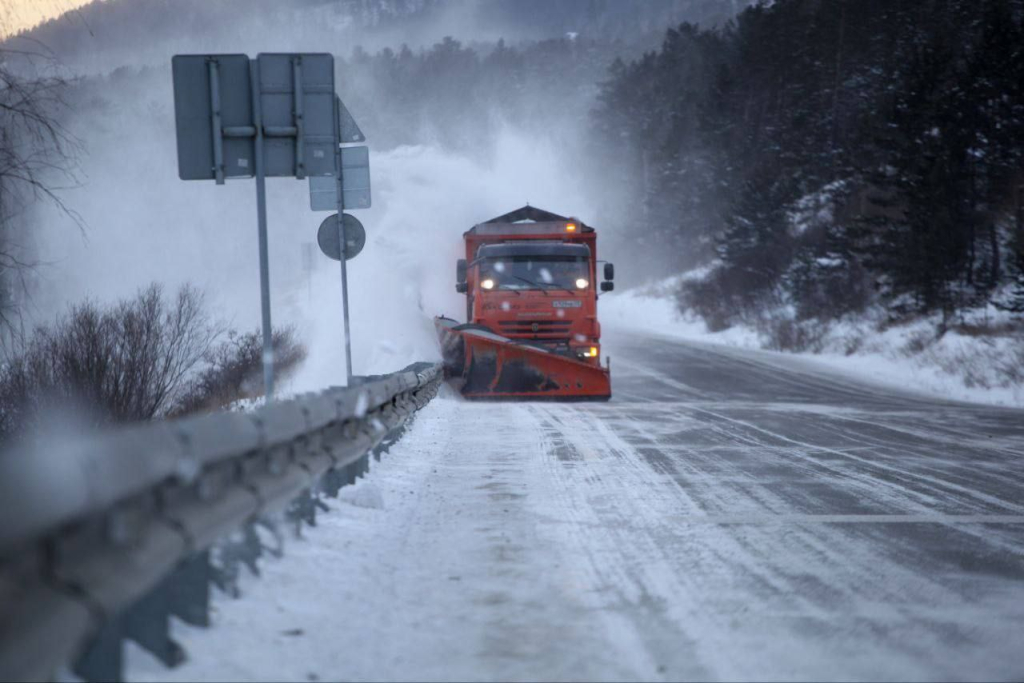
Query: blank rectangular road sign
<point x="193" y="115"/>
<point x="313" y="113"/>
<point x="355" y="167"/>
<point x="355" y="174"/>
<point x="323" y="193"/>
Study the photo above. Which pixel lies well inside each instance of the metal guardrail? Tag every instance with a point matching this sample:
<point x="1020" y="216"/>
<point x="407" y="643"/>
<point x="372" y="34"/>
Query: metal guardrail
<point x="105" y="538"/>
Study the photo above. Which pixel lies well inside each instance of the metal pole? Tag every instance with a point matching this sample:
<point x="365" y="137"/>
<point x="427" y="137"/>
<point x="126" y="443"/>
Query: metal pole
<point x="218" y="131"/>
<point x="300" y="124"/>
<point x="344" y="272"/>
<point x="261" y="218"/>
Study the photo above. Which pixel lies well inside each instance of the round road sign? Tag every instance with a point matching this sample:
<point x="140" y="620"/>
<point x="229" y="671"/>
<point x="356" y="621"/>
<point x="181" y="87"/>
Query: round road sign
<point x="327" y="237"/>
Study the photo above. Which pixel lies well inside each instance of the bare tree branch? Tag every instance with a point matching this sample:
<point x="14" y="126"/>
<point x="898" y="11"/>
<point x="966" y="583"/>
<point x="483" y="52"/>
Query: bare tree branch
<point x="38" y="157"/>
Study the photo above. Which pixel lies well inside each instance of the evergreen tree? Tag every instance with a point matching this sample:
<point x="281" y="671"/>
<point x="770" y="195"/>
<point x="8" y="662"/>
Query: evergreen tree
<point x="902" y="121"/>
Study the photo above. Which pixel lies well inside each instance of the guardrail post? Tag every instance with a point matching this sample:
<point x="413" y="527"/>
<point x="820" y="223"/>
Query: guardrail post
<point x="331" y="481"/>
<point x="102" y="659"/>
<point x="233" y="552"/>
<point x="302" y="509"/>
<point x="148" y="624"/>
<point x="190" y="590"/>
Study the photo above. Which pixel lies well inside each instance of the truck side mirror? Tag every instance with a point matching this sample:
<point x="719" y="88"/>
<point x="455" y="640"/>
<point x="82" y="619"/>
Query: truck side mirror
<point x="460" y="272"/>
<point x="609" y="271"/>
<point x="607" y="286"/>
<point x="461" y="287"/>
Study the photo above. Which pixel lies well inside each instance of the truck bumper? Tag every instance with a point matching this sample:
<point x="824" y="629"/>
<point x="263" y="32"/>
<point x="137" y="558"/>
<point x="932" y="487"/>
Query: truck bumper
<point x="484" y="365"/>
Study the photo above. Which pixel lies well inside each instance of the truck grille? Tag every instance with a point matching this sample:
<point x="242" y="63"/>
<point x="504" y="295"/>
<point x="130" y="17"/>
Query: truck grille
<point x="553" y="330"/>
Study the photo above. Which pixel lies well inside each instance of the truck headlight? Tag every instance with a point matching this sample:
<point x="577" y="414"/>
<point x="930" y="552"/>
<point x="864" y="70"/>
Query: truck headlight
<point x="581" y="283"/>
<point x="487" y="284"/>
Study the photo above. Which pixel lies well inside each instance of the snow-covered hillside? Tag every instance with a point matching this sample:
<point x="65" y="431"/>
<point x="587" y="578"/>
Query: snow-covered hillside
<point x="979" y="360"/>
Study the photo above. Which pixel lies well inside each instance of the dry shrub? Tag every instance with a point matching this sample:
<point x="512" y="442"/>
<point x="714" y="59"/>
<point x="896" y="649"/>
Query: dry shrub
<point x="919" y="341"/>
<point x="724" y="298"/>
<point x="780" y="332"/>
<point x="1002" y="328"/>
<point x="148" y="357"/>
<point x="1011" y="365"/>
<point x="984" y="364"/>
<point x="235" y="370"/>
<point x="851" y="342"/>
<point x="123" y="364"/>
<point x="704" y="298"/>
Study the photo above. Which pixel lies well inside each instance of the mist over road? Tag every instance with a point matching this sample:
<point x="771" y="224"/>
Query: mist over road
<point x="729" y="514"/>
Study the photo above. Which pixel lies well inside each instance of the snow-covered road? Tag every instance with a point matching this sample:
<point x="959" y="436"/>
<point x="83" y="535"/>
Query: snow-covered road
<point x="728" y="515"/>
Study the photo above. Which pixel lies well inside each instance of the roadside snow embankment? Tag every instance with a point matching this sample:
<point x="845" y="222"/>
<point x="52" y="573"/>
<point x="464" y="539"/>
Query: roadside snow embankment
<point x="982" y="362"/>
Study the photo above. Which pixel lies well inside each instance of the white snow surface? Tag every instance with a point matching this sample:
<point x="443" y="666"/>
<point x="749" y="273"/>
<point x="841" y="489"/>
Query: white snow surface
<point x="543" y="542"/>
<point x="441" y="565"/>
<point x="957" y="367"/>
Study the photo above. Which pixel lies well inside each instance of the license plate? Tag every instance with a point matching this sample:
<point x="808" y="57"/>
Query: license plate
<point x="572" y="303"/>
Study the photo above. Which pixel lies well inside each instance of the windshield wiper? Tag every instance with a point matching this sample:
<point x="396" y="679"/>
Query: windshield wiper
<point x="552" y="284"/>
<point x="564" y="289"/>
<point x="543" y="286"/>
<point x="531" y="282"/>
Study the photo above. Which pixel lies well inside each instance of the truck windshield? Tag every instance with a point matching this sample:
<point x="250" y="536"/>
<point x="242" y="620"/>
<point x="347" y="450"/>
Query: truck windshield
<point x="535" y="272"/>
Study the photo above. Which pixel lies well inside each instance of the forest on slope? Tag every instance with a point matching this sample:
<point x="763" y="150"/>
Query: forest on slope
<point x="105" y="34"/>
<point x="826" y="155"/>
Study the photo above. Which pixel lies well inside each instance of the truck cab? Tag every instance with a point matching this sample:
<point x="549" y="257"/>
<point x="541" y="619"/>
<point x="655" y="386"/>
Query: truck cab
<point x="532" y="276"/>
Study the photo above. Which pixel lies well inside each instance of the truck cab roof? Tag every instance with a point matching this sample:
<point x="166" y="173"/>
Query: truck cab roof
<point x="529" y="220"/>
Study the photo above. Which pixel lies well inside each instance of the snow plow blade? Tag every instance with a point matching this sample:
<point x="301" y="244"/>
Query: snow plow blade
<point x="484" y="365"/>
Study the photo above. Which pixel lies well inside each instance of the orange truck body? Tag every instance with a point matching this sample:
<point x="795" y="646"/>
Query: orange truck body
<point x="529" y="334"/>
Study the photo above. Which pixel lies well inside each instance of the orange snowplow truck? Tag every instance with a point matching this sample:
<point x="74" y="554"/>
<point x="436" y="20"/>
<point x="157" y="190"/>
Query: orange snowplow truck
<point x="531" y="330"/>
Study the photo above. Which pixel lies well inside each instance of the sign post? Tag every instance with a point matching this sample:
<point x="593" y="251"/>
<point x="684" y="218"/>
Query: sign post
<point x="261" y="228"/>
<point x="344" y="271"/>
<point x="350" y="188"/>
<point x="273" y="116"/>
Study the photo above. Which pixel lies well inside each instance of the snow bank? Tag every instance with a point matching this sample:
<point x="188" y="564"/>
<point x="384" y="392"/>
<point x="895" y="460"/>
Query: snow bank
<point x="653" y="309"/>
<point x="978" y="368"/>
